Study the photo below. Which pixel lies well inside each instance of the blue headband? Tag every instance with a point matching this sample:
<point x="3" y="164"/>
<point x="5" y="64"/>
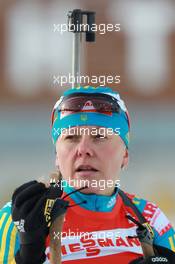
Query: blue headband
<point x="118" y="122"/>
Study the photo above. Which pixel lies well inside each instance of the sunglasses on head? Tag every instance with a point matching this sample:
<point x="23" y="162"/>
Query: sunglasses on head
<point x="81" y="102"/>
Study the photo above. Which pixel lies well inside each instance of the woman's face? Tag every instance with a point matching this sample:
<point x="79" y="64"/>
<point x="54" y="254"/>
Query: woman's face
<point x="90" y="156"/>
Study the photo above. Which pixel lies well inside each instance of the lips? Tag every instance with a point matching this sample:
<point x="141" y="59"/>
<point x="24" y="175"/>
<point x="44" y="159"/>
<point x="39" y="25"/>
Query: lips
<point x="84" y="168"/>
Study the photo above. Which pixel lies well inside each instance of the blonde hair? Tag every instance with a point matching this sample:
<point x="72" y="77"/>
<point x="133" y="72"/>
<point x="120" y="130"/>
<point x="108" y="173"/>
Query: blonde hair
<point x="57" y="176"/>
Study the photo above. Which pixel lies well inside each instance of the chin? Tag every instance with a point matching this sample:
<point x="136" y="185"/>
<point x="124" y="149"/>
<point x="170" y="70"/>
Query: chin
<point x="92" y="191"/>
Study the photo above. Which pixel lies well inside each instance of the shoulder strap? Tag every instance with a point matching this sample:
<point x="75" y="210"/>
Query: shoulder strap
<point x="127" y="201"/>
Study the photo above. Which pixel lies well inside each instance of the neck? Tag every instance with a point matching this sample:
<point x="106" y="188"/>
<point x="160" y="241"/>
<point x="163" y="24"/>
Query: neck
<point x="94" y="202"/>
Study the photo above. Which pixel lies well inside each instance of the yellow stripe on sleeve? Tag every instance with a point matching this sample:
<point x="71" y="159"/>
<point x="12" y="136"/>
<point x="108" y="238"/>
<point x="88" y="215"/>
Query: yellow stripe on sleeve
<point x="2" y="219"/>
<point x="4" y="237"/>
<point x="12" y="244"/>
<point x="12" y="262"/>
<point x="172" y="243"/>
<point x="1" y="223"/>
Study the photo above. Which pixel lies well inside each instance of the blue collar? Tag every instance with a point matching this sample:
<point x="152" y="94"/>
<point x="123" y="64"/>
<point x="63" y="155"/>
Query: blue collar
<point x="94" y="202"/>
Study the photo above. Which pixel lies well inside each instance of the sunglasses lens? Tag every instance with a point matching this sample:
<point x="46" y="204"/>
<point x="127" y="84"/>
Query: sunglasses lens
<point x="102" y="106"/>
<point x="80" y="103"/>
<point x="71" y="104"/>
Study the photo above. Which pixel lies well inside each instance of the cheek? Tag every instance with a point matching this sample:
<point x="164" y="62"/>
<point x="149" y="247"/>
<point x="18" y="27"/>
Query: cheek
<point x="114" y="160"/>
<point x="64" y="159"/>
<point x="61" y="155"/>
<point x="113" y="152"/>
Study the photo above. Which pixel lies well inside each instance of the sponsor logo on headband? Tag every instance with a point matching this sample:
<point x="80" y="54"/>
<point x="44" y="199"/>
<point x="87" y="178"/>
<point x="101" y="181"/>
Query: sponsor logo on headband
<point x="83" y="117"/>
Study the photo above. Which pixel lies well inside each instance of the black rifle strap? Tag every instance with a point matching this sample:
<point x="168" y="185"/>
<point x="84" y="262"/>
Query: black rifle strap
<point x="127" y="201"/>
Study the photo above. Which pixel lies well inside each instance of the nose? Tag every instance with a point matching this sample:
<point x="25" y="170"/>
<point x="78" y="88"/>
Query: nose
<point x="84" y="147"/>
